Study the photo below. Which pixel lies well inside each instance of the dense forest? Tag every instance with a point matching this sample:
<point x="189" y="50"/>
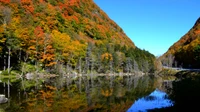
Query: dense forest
<point x="186" y="52"/>
<point x="56" y="36"/>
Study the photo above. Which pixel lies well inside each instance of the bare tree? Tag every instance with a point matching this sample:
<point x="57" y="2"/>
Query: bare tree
<point x="9" y="52"/>
<point x="145" y="66"/>
<point x="92" y="64"/>
<point x="88" y="58"/>
<point x="128" y="65"/>
<point x="158" y="64"/>
<point x="170" y="60"/>
<point x="69" y="68"/>
<point x="99" y="63"/>
<point x="175" y="63"/>
<point x="79" y="66"/>
<point x="111" y="66"/>
<point x="136" y="66"/>
<point x="5" y="19"/>
<point x="80" y="83"/>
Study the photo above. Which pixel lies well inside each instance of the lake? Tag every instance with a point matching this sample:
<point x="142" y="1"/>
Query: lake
<point x="98" y="94"/>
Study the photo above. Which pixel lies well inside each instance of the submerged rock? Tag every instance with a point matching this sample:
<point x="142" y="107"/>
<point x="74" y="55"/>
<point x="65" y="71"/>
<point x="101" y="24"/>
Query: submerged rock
<point x="3" y="99"/>
<point x="29" y="76"/>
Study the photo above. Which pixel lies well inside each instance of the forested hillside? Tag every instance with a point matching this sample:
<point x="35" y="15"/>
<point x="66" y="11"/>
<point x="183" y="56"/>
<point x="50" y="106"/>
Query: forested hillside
<point x="185" y="52"/>
<point x="65" y="35"/>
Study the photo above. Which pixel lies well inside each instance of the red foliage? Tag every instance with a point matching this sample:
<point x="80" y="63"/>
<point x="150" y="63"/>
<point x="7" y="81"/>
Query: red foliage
<point x="81" y="18"/>
<point x="28" y="5"/>
<point x="197" y="31"/>
<point x="26" y="2"/>
<point x="41" y="1"/>
<point x="76" y="19"/>
<point x="39" y="33"/>
<point x="72" y="2"/>
<point x="5" y="1"/>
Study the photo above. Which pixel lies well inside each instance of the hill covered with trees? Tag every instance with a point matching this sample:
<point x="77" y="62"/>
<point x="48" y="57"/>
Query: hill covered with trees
<point x="65" y="36"/>
<point x="186" y="51"/>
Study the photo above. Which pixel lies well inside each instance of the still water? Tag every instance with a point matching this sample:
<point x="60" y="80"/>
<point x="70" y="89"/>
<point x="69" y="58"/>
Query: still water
<point x="86" y="94"/>
<point x="157" y="99"/>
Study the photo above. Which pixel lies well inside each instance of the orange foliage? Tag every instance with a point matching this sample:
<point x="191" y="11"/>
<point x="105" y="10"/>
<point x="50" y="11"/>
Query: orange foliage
<point x="70" y="24"/>
<point x="1" y="29"/>
<point x="107" y="92"/>
<point x="75" y="18"/>
<point x="41" y="1"/>
<point x="5" y="1"/>
<point x="186" y="49"/>
<point x="39" y="32"/>
<point x="73" y="2"/>
<point x="197" y="31"/>
<point x="188" y="41"/>
<point x="28" y="5"/>
<point x="39" y="37"/>
<point x="48" y="56"/>
<point x="107" y="56"/>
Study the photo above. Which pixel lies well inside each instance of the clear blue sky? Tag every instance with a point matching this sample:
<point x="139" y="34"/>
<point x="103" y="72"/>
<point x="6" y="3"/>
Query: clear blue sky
<point x="153" y="25"/>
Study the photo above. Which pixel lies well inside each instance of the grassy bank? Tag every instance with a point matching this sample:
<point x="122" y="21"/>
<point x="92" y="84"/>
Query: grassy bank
<point x="169" y="73"/>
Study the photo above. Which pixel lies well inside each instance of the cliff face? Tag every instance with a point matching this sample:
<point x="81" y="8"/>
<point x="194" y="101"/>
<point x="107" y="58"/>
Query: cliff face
<point x="64" y="31"/>
<point x="186" y="51"/>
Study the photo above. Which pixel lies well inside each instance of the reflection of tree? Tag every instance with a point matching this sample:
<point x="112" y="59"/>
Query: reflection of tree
<point x="89" y="94"/>
<point x="51" y="100"/>
<point x="186" y="94"/>
<point x="150" y="98"/>
<point x="107" y="92"/>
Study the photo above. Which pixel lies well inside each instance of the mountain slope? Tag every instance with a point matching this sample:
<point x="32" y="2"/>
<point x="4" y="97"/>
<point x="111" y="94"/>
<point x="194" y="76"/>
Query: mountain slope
<point x="69" y="32"/>
<point x="186" y="51"/>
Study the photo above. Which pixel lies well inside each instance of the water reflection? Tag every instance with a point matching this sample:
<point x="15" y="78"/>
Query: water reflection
<point x="157" y="99"/>
<point x="86" y="93"/>
<point x="186" y="93"/>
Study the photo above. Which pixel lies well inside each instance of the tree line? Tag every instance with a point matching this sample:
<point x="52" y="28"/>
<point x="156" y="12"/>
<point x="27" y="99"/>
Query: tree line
<point x="41" y="36"/>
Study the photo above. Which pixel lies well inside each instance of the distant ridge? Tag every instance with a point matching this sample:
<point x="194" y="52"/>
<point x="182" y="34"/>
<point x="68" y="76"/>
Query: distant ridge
<point x="186" y="51"/>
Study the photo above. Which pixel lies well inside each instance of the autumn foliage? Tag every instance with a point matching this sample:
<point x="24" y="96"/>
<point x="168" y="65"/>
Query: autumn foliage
<point x="46" y="33"/>
<point x="186" y="51"/>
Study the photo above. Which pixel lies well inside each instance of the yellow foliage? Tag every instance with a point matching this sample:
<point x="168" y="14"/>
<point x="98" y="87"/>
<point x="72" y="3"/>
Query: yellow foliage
<point x="1" y="29"/>
<point x="106" y="56"/>
<point x="32" y="48"/>
<point x="60" y="40"/>
<point x="15" y="22"/>
<point x="66" y="47"/>
<point x="2" y="40"/>
<point x="107" y="92"/>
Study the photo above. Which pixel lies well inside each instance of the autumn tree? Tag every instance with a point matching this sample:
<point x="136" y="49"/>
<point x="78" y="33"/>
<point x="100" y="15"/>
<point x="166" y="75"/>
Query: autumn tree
<point x="70" y="34"/>
<point x="106" y="59"/>
<point x="5" y="20"/>
<point x="48" y="56"/>
<point x="60" y="43"/>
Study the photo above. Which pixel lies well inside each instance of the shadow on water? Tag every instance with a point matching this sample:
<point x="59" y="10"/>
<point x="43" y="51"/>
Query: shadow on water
<point x="185" y="93"/>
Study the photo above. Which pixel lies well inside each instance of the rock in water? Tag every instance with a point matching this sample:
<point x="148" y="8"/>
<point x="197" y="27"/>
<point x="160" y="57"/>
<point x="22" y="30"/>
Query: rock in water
<point x="3" y="99"/>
